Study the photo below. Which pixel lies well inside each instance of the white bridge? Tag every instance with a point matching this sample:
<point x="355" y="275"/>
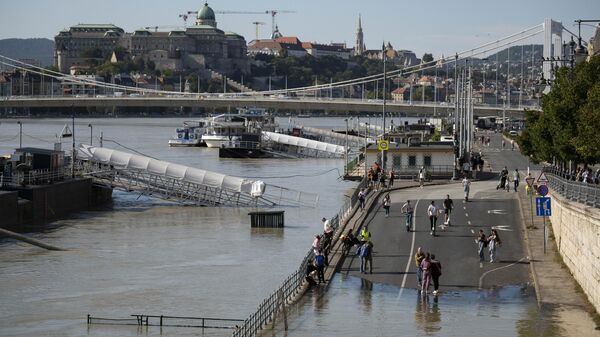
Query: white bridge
<point x="183" y="184"/>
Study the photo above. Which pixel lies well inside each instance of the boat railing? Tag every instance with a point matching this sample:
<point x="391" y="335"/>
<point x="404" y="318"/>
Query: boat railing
<point x="242" y="145"/>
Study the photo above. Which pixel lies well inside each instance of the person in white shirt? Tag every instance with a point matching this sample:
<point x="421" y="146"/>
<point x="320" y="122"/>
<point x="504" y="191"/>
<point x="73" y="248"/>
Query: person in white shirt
<point x="432" y="213"/>
<point x="327" y="230"/>
<point x="408" y="210"/>
<point x="466" y="187"/>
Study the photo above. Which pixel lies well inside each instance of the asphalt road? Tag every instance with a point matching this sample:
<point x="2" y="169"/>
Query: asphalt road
<point x="454" y="246"/>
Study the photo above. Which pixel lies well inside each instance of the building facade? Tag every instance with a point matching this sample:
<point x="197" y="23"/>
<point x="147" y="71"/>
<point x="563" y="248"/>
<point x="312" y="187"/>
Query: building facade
<point x="200" y="46"/>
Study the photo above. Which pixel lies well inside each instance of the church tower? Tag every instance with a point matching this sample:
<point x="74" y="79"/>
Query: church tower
<point x="359" y="47"/>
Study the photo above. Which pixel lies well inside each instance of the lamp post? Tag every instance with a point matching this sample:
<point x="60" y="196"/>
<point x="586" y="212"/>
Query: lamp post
<point x="366" y="143"/>
<point x="383" y="158"/>
<point x="20" y="134"/>
<point x="346" y="149"/>
<point x="91" y="134"/>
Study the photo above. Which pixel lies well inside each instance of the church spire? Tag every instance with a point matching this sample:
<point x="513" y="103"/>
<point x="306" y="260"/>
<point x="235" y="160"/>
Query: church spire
<point x="359" y="47"/>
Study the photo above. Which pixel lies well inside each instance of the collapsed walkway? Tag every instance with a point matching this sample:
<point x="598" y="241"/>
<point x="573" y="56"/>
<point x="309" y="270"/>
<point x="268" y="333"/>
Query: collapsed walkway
<point x="188" y="185"/>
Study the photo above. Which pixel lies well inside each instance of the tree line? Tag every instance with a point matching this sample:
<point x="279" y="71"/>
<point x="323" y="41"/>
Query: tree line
<point x="567" y="129"/>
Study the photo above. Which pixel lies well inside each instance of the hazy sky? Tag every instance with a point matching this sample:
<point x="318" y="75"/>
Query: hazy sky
<point x="436" y="26"/>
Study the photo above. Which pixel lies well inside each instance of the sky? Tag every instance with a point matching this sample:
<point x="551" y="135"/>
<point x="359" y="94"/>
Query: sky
<point x="433" y="26"/>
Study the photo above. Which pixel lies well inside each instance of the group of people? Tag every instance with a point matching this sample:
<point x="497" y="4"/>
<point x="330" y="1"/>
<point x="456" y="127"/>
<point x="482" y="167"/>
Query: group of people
<point x="377" y="177"/>
<point x="505" y="180"/>
<point x="428" y="269"/>
<point x="365" y="247"/>
<point x="581" y="174"/>
<point x="491" y="242"/>
<point x="320" y="247"/>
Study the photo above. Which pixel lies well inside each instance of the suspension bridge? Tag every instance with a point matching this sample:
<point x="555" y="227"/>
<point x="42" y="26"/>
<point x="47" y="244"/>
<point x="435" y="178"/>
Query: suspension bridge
<point x="315" y="98"/>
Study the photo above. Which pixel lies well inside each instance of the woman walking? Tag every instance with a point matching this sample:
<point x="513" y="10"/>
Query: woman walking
<point x="426" y="266"/>
<point x="493" y="243"/>
<point x="386" y="204"/>
<point x="481" y="244"/>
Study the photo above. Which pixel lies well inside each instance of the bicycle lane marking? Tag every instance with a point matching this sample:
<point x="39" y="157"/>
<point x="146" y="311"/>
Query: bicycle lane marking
<point x="412" y="248"/>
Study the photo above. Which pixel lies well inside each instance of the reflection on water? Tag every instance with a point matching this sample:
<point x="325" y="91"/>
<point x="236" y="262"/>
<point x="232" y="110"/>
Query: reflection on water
<point x="358" y="307"/>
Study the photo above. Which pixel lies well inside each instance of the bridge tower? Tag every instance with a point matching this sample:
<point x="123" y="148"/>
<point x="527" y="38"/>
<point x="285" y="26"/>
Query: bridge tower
<point x="552" y="44"/>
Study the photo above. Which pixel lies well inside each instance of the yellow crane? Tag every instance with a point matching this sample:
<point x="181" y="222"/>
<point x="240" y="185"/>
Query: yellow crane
<point x="257" y="24"/>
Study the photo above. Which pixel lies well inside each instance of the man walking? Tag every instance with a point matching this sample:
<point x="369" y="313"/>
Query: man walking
<point x="366" y="257"/>
<point x="516" y="178"/>
<point x="386" y="204"/>
<point x="466" y="187"/>
<point x="448" y="205"/>
<point x="436" y="272"/>
<point x="432" y="213"/>
<point x="419" y="257"/>
<point x="408" y="210"/>
<point x="320" y="263"/>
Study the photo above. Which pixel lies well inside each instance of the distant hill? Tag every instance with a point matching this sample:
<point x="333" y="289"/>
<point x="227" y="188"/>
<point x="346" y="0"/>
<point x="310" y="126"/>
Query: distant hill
<point x="41" y="50"/>
<point x="515" y="53"/>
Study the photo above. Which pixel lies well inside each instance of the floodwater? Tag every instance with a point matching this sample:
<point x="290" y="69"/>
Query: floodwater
<point x="146" y="256"/>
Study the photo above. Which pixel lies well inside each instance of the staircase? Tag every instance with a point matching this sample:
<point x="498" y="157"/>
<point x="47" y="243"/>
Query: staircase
<point x="231" y="83"/>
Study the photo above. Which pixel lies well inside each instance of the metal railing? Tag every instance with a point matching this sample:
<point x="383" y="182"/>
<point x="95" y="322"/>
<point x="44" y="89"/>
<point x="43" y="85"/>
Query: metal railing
<point x="292" y="286"/>
<point x="169" y="321"/>
<point x="34" y="177"/>
<point x="585" y="193"/>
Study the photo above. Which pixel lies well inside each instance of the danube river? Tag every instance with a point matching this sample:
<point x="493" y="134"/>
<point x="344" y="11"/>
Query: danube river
<point x="146" y="256"/>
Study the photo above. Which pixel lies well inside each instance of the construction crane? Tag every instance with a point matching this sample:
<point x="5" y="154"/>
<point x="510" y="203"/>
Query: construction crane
<point x="184" y="17"/>
<point x="162" y="27"/>
<point x="272" y="12"/>
<point x="257" y="24"/>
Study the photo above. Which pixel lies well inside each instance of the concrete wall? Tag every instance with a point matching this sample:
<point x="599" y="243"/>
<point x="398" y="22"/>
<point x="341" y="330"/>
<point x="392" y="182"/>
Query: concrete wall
<point x="8" y="205"/>
<point x="576" y="228"/>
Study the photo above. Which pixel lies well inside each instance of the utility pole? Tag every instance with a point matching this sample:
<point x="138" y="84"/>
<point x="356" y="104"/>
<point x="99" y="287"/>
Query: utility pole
<point x="20" y="134"/>
<point x="383" y="152"/>
<point x="456" y="144"/>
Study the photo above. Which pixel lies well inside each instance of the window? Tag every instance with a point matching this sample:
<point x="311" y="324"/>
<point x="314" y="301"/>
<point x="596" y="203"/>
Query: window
<point x="412" y="160"/>
<point x="427" y="160"/>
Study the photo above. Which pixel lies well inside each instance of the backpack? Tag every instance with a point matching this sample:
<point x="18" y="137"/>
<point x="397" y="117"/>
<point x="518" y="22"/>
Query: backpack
<point x="320" y="260"/>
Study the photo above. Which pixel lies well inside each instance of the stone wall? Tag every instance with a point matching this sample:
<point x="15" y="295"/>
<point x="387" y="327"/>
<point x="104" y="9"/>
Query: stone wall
<point x="576" y="229"/>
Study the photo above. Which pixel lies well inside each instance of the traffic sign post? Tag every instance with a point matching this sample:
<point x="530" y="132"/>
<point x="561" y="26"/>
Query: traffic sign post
<point x="543" y="208"/>
<point x="383" y="144"/>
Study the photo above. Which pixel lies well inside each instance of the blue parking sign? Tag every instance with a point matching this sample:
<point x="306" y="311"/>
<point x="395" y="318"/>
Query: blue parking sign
<point x="543" y="206"/>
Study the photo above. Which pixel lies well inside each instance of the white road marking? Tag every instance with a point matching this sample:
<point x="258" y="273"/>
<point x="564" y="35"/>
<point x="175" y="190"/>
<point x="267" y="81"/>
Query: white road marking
<point x="469" y="222"/>
<point x="497" y="211"/>
<point x="465" y="207"/>
<point x="489" y="271"/>
<point x="412" y="247"/>
<point x="467" y="214"/>
<point x="502" y="228"/>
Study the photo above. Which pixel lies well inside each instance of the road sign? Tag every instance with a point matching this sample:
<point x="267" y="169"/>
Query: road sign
<point x="383" y="145"/>
<point x="542" y="190"/>
<point x="529" y="181"/>
<point x="542" y="178"/>
<point x="543" y="206"/>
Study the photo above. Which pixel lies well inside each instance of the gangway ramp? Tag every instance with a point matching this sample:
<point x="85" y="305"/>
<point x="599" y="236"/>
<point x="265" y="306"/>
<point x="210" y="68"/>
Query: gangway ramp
<point x="327" y="148"/>
<point x="353" y="141"/>
<point x="179" y="183"/>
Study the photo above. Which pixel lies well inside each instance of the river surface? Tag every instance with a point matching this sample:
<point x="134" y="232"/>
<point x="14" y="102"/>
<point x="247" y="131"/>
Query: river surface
<point x="147" y="256"/>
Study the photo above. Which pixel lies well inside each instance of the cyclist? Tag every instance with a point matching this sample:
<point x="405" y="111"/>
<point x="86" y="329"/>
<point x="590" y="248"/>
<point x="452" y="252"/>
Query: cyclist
<point x="448" y="205"/>
<point x="408" y="210"/>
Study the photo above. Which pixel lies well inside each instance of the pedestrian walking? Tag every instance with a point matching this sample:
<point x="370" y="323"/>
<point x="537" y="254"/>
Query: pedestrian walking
<point x="365" y="235"/>
<point x="419" y="257"/>
<point x="503" y="144"/>
<point x="421" y="176"/>
<point x="436" y="272"/>
<point x="382" y="180"/>
<point x="392" y="177"/>
<point x="316" y="245"/>
<point x="516" y="179"/>
<point x="426" y="266"/>
<point x="503" y="178"/>
<point x="466" y="187"/>
<point x="512" y="145"/>
<point x="320" y="263"/>
<point x="481" y="244"/>
<point x="493" y="243"/>
<point x="408" y="210"/>
<point x="448" y="205"/>
<point x="386" y="204"/>
<point x="362" y="197"/>
<point x="432" y="213"/>
<point x="366" y="257"/>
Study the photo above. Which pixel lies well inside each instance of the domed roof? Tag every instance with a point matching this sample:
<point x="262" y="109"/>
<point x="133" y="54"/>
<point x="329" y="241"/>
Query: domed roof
<point x="206" y="13"/>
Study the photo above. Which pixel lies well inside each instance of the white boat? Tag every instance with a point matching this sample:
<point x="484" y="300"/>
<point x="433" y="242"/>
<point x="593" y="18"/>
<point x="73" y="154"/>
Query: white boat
<point x="228" y="128"/>
<point x="190" y="134"/>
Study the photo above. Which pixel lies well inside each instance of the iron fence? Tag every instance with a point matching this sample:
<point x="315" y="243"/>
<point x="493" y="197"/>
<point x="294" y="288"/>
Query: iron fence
<point x="291" y="287"/>
<point x="585" y="193"/>
<point x="169" y="321"/>
<point x="34" y="177"/>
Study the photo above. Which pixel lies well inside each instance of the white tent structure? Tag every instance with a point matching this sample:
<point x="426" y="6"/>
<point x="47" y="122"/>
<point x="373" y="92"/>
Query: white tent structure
<point x="178" y="182"/>
<point x="333" y="149"/>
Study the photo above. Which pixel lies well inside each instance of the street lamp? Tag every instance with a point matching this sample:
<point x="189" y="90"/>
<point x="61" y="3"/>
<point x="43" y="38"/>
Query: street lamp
<point x="346" y="150"/>
<point x="91" y="134"/>
<point x="366" y="143"/>
<point x="20" y="134"/>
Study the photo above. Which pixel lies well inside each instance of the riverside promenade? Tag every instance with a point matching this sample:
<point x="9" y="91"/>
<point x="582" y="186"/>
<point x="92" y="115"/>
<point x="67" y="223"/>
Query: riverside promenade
<point x="521" y="260"/>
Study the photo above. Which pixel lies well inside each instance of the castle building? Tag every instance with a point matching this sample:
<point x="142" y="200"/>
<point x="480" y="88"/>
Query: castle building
<point x="200" y="46"/>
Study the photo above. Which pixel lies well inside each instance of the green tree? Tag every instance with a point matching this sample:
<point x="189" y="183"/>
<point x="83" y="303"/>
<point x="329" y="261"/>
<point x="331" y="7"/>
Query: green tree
<point x="427" y="57"/>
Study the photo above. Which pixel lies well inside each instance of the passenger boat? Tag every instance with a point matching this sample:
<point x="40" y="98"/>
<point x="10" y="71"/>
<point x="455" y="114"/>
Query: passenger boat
<point x="190" y="134"/>
<point x="228" y="128"/>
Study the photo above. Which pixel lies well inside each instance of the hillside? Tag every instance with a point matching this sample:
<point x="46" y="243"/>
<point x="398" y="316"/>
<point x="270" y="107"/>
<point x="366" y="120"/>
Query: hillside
<point x="41" y="50"/>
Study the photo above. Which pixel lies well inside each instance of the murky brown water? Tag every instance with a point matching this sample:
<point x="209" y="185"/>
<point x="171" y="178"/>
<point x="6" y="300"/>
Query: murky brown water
<point x="143" y="256"/>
